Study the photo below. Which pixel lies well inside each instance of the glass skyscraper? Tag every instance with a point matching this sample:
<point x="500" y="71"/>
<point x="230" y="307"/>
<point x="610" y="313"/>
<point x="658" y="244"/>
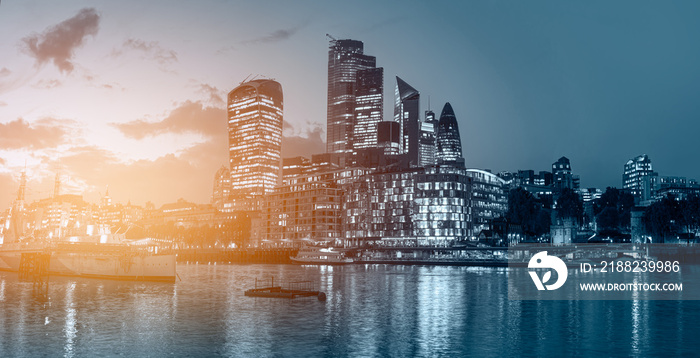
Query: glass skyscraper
<point x="369" y="97"/>
<point x="255" y="137"/>
<point x="345" y="59"/>
<point x="449" y="144"/>
<point x="406" y="113"/>
<point x="427" y="139"/>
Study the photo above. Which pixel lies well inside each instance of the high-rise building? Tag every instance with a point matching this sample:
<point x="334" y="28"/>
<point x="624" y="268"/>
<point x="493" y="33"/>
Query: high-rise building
<point x="255" y="137"/>
<point x="345" y="59"/>
<point x="222" y="187"/>
<point x="388" y="137"/>
<point x="562" y="176"/>
<point x="369" y="100"/>
<point x="449" y="144"/>
<point x="406" y="113"/>
<point x="427" y="139"/>
<point x="637" y="177"/>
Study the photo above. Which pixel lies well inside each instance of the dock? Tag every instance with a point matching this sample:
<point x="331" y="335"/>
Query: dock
<point x="296" y="289"/>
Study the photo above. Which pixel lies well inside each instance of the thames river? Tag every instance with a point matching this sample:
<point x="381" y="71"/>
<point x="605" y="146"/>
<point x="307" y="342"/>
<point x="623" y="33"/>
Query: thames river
<point x="370" y="311"/>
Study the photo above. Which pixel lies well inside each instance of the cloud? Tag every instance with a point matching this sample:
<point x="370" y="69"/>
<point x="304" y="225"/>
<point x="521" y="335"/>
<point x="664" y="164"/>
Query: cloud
<point x="3" y="103"/>
<point x="4" y="72"/>
<point x="275" y="36"/>
<point x="151" y="50"/>
<point x="48" y="84"/>
<point x="58" y="43"/>
<point x="310" y="143"/>
<point x="189" y="117"/>
<point x="188" y="175"/>
<point x="213" y="93"/>
<point x="44" y="133"/>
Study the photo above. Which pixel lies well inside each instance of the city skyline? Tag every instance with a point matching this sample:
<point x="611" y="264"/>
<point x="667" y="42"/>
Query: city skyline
<point x="104" y="97"/>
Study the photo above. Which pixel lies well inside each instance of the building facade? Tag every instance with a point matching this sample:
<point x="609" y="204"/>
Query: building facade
<point x="449" y="143"/>
<point x="406" y="113"/>
<point x="255" y="137"/>
<point x="637" y="177"/>
<point x="369" y="101"/>
<point x="345" y="59"/>
<point x="427" y="140"/>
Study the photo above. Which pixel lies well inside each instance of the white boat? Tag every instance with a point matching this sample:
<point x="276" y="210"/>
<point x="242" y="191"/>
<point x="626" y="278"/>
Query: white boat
<point x="311" y="255"/>
<point x="102" y="256"/>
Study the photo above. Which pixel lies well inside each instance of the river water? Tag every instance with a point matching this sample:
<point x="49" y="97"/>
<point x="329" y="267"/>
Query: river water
<point x="370" y="311"/>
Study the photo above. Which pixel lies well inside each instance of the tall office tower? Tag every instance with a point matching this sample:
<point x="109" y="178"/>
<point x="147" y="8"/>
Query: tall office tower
<point x="345" y="59"/>
<point x="637" y="177"/>
<point x="427" y="140"/>
<point x="406" y="107"/>
<point x="369" y="100"/>
<point x="449" y="144"/>
<point x="255" y="137"/>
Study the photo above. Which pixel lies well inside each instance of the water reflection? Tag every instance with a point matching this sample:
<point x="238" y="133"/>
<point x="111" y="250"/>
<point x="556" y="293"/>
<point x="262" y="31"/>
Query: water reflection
<point x="371" y="310"/>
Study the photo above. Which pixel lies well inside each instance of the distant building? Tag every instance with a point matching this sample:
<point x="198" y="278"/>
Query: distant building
<point x="295" y="167"/>
<point x="562" y="177"/>
<point x="679" y="188"/>
<point x="369" y="101"/>
<point x="389" y="137"/>
<point x="489" y="199"/>
<point x="427" y="140"/>
<point x="637" y="177"/>
<point x="255" y="139"/>
<point x="449" y="143"/>
<point x="345" y="59"/>
<point x="222" y="187"/>
<point x="406" y="113"/>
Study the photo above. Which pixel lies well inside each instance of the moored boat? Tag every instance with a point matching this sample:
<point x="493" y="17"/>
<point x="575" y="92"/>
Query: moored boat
<point x="102" y="256"/>
<point x="312" y="255"/>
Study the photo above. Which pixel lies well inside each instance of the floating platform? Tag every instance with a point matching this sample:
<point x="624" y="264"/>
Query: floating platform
<point x="296" y="289"/>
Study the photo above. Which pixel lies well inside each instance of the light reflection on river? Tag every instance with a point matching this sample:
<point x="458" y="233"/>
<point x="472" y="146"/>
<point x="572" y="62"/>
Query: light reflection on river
<point x="372" y="310"/>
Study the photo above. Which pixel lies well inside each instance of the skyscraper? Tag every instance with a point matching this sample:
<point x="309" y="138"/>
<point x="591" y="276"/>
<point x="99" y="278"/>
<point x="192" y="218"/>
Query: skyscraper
<point x="449" y="144"/>
<point x="345" y="59"/>
<point x="427" y="139"/>
<point x="369" y="99"/>
<point x="637" y="177"/>
<point x="255" y="137"/>
<point x="406" y="113"/>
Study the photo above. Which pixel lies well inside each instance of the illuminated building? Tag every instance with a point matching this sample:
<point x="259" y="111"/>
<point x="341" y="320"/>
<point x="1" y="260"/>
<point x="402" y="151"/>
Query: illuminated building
<point x="300" y="166"/>
<point x="307" y="210"/>
<point x="307" y="206"/>
<point x="449" y="144"/>
<point x="427" y="206"/>
<point x="679" y="188"/>
<point x="255" y="138"/>
<point x="369" y="99"/>
<point x="388" y="137"/>
<point x="443" y="205"/>
<point x="637" y="177"/>
<point x="222" y="187"/>
<point x="427" y="140"/>
<point x="406" y="113"/>
<point x="562" y="177"/>
<point x="345" y="59"/>
<point x="489" y="199"/>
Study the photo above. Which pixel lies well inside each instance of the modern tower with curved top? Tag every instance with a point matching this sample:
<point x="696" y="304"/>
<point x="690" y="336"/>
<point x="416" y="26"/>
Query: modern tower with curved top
<point x="449" y="144"/>
<point x="255" y="136"/>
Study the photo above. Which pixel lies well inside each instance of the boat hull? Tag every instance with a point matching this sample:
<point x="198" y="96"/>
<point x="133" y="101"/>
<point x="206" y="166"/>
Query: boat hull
<point x="125" y="266"/>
